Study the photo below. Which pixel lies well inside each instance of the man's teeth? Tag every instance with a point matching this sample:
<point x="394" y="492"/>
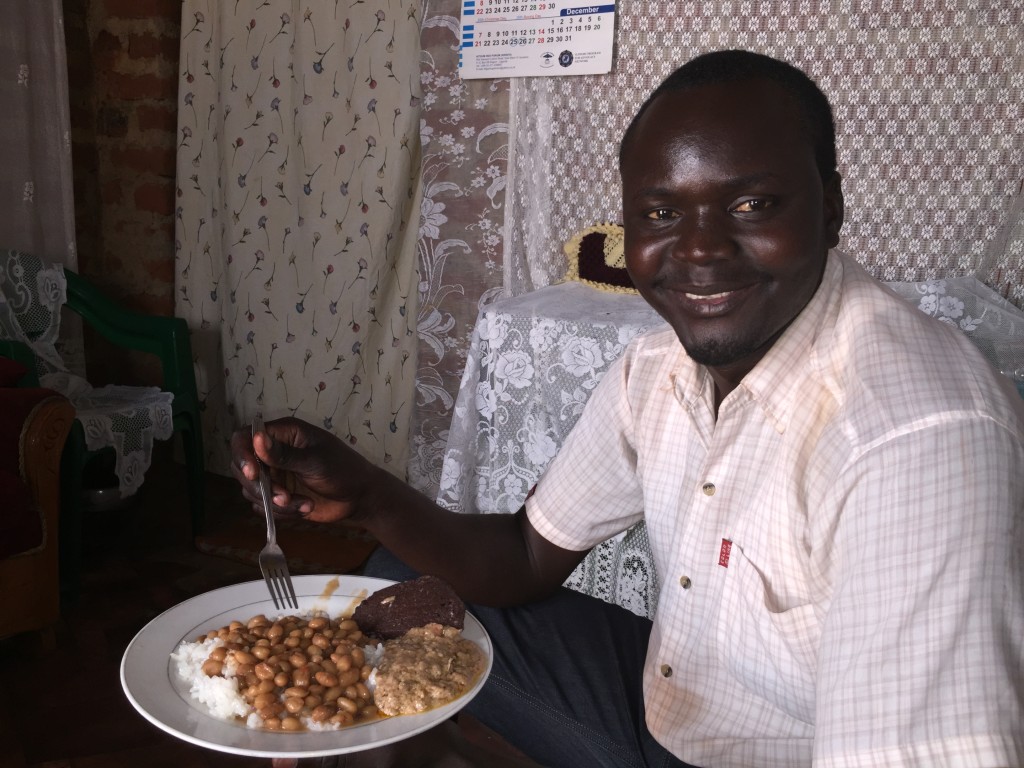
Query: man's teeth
<point x="706" y="296"/>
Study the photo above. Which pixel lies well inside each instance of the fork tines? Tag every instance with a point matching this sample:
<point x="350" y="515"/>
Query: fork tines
<point x="279" y="584"/>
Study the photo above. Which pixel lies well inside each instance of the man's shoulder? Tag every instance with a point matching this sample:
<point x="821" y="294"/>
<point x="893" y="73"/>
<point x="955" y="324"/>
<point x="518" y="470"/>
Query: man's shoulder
<point x="888" y="355"/>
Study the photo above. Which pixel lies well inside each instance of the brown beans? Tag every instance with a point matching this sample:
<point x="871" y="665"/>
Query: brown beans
<point x="264" y="700"/>
<point x="322" y="714"/>
<point x="326" y="679"/>
<point x="290" y="669"/>
<point x="301" y="676"/>
<point x="349" y="677"/>
<point x="347" y="704"/>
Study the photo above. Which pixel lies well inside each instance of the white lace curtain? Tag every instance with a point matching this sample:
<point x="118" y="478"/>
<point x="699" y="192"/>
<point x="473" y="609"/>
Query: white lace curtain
<point x="36" y="197"/>
<point x="928" y="101"/>
<point x="298" y="190"/>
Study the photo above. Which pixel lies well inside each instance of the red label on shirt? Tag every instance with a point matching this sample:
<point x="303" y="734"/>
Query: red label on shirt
<point x="723" y="553"/>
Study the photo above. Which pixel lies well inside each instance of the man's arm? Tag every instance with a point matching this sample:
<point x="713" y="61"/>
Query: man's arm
<point x="920" y="659"/>
<point x="489" y="559"/>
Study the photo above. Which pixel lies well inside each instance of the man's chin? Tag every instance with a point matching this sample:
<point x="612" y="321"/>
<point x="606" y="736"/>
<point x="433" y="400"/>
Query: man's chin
<point x="714" y="353"/>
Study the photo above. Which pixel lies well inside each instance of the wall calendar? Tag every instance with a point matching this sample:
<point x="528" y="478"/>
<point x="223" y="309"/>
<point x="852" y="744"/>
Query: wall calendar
<point x="523" y="38"/>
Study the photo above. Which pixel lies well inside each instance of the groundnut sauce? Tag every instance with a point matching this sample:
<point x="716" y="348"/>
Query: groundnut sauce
<point x="293" y="667"/>
<point x="425" y="668"/>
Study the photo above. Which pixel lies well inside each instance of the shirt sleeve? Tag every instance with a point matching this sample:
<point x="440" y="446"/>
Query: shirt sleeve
<point x="590" y="491"/>
<point x="921" y="661"/>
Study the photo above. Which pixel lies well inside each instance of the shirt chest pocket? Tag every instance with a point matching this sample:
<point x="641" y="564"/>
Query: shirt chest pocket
<point x="770" y="649"/>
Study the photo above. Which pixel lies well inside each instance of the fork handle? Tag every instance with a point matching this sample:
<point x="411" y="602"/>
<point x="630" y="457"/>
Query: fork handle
<point x="268" y="509"/>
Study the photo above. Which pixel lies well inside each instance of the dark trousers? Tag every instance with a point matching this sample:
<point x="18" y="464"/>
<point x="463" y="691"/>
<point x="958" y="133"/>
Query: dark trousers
<point x="566" y="687"/>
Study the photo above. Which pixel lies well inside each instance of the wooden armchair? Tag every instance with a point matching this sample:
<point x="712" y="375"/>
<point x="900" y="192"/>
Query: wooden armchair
<point x="34" y="425"/>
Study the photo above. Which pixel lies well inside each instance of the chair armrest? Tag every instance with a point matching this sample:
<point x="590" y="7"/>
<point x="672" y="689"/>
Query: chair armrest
<point x="165" y="337"/>
<point x="34" y="424"/>
<point x="42" y="442"/>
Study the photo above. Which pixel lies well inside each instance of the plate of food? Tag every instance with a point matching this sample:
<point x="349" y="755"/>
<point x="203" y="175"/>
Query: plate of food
<point x="363" y="662"/>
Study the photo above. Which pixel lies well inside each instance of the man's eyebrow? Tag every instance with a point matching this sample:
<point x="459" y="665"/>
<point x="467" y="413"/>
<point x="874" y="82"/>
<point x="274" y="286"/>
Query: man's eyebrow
<point x="749" y="180"/>
<point x="730" y="184"/>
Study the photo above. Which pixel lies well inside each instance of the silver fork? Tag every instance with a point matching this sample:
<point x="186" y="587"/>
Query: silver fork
<point x="271" y="558"/>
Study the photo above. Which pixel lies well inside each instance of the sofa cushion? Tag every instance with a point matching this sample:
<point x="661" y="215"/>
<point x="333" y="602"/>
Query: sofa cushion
<point x="11" y="372"/>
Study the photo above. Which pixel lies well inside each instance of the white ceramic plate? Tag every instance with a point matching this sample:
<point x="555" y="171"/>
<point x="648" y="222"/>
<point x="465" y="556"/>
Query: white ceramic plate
<point x="151" y="683"/>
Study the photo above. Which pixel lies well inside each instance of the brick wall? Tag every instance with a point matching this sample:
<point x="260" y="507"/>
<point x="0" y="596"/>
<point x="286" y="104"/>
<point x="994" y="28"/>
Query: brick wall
<point x="123" y="81"/>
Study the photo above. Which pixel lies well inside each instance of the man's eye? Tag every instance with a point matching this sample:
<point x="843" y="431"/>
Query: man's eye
<point x="753" y="205"/>
<point x="660" y="214"/>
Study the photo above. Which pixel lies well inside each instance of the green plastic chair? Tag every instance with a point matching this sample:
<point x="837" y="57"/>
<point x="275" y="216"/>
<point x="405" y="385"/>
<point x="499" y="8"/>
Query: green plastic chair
<point x="168" y="339"/>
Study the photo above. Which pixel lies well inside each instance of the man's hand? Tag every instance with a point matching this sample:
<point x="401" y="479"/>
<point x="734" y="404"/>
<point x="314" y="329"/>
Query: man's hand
<point x="502" y="559"/>
<point x="315" y="475"/>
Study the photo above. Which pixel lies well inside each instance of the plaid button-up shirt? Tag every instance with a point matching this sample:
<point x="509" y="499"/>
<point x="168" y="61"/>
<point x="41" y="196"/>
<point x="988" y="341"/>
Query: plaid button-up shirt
<point x="840" y="552"/>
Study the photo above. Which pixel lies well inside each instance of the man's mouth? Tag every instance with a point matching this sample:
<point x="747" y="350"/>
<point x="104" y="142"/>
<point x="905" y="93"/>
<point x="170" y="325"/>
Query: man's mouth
<point x="707" y="296"/>
<point x="713" y="303"/>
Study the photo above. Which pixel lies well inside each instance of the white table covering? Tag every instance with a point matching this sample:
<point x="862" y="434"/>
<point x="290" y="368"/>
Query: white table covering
<point x="533" y="362"/>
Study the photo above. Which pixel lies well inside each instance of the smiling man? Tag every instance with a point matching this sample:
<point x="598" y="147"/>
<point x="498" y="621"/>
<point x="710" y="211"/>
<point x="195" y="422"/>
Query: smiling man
<point x="728" y="210"/>
<point x="831" y="482"/>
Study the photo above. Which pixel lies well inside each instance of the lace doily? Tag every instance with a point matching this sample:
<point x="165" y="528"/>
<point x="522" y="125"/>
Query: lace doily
<point x="128" y="419"/>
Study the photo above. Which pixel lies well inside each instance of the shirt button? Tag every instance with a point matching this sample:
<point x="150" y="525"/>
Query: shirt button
<point x="666" y="670"/>
<point x="709" y="489"/>
<point x="685" y="582"/>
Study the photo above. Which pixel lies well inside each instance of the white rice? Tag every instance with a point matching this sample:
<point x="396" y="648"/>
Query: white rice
<point x="220" y="694"/>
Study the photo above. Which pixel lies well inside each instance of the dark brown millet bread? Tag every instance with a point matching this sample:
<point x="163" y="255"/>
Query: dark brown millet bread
<point x="394" y="610"/>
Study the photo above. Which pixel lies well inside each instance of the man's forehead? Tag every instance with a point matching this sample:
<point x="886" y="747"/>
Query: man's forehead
<point x="738" y="95"/>
<point x="751" y="106"/>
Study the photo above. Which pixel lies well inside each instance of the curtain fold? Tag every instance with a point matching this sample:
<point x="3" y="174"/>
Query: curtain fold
<point x="464" y="130"/>
<point x="36" y="194"/>
<point x="298" y="182"/>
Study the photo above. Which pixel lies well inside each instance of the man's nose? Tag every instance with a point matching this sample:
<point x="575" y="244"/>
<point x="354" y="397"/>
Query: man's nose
<point x="701" y="236"/>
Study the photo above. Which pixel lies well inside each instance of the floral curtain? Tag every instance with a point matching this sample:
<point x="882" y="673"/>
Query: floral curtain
<point x="298" y="203"/>
<point x="35" y="155"/>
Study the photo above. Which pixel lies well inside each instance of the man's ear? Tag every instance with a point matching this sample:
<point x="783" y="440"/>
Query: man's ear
<point x="833" y="208"/>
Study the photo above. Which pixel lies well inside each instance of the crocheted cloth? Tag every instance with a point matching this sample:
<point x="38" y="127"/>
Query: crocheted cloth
<point x="597" y="258"/>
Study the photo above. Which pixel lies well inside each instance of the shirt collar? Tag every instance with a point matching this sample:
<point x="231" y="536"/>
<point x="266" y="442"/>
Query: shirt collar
<point x="775" y="383"/>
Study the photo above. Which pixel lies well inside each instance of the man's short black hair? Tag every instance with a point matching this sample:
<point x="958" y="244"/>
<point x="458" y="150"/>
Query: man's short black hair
<point x="735" y="65"/>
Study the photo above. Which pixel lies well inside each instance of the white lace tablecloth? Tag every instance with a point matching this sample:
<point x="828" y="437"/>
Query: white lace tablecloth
<point x="533" y="362"/>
